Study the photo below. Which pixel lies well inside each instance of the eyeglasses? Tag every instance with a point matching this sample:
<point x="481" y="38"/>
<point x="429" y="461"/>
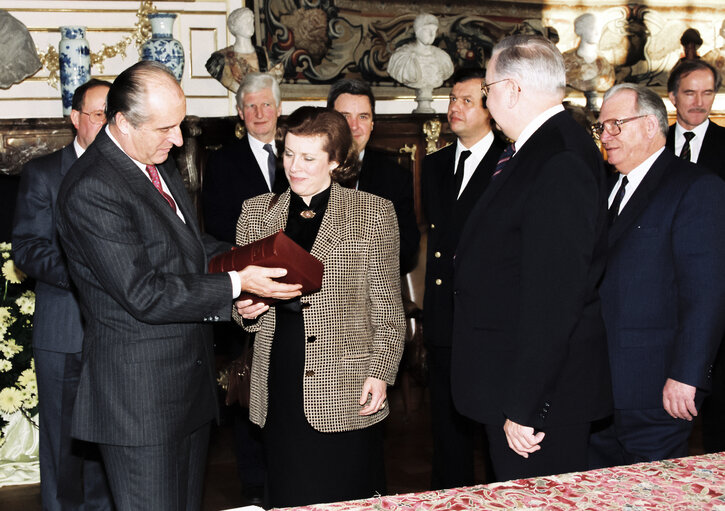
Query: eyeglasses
<point x="613" y="127"/>
<point x="96" y="117"/>
<point x="486" y="87"/>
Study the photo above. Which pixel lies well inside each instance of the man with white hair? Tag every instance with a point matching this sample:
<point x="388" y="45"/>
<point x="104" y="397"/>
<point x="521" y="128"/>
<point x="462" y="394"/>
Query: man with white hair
<point x="663" y="295"/>
<point x="240" y="170"/>
<point x="529" y="354"/>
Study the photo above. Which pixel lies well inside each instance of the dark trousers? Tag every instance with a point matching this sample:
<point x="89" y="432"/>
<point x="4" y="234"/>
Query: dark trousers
<point x="71" y="471"/>
<point x="164" y="477"/>
<point x="452" y="432"/>
<point x="713" y="408"/>
<point x="636" y="436"/>
<point x="563" y="450"/>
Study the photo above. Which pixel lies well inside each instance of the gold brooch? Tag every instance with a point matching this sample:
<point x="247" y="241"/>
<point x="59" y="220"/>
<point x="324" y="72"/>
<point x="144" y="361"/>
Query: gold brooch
<point x="307" y="213"/>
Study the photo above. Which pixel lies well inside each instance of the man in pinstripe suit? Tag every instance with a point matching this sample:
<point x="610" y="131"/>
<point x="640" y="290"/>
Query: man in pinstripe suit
<point x="136" y="255"/>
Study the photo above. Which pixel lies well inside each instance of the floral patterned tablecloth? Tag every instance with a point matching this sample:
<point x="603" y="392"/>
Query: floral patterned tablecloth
<point x="693" y="483"/>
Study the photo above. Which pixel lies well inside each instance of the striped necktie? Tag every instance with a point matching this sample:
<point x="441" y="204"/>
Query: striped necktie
<point x="506" y="155"/>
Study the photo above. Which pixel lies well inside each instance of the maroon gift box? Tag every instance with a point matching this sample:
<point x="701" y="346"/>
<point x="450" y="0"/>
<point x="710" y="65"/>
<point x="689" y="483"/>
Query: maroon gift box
<point x="275" y="251"/>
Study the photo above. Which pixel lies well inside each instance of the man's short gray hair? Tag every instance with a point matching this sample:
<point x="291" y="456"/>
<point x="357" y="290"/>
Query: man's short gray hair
<point x="647" y="102"/>
<point x="255" y="82"/>
<point x="531" y="60"/>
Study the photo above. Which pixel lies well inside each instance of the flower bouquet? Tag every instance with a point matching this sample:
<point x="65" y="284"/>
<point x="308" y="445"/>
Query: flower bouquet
<point x="18" y="386"/>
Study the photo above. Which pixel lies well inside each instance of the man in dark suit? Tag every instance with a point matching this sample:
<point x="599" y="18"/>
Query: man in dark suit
<point x="692" y="87"/>
<point x="247" y="167"/>
<point x="529" y="349"/>
<point x="448" y="197"/>
<point x="239" y="171"/>
<point x="378" y="174"/>
<point x="138" y="259"/>
<point x="663" y="294"/>
<point x="71" y="472"/>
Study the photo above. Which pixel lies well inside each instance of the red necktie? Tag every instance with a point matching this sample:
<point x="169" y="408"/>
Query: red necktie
<point x="154" y="175"/>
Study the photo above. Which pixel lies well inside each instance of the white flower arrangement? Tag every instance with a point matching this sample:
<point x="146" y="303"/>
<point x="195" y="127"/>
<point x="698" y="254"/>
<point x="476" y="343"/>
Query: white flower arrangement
<point x="18" y="386"/>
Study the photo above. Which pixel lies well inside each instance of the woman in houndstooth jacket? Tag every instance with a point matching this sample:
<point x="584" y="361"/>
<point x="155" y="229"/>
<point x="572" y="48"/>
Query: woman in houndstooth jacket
<point x="322" y="362"/>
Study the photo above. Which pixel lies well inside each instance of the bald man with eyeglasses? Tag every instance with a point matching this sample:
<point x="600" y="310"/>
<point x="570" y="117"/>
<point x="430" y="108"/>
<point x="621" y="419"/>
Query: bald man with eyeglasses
<point x="68" y="478"/>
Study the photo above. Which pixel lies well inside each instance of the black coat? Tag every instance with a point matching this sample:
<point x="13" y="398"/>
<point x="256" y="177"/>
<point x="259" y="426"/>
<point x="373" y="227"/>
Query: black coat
<point x="712" y="153"/>
<point x="528" y="338"/>
<point x="232" y="175"/>
<point x="445" y="217"/>
<point x="385" y="178"/>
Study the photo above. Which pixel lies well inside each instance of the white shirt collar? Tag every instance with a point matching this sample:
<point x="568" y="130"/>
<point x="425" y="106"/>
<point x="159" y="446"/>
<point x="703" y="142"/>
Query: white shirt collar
<point x="478" y="151"/>
<point x="79" y="150"/>
<point x="535" y="124"/>
<point x="634" y="178"/>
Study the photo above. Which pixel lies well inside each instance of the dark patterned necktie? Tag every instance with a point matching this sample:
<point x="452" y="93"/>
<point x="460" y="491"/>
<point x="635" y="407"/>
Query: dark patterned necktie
<point x="458" y="178"/>
<point x="617" y="202"/>
<point x="506" y="155"/>
<point x="154" y="175"/>
<point x="271" y="165"/>
<point x="686" y="152"/>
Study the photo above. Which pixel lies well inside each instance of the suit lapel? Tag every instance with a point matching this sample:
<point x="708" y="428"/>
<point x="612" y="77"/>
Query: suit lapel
<point x="332" y="225"/>
<point x="256" y="174"/>
<point x="670" y="142"/>
<point x="709" y="148"/>
<point x="481" y="177"/>
<point x="67" y="158"/>
<point x="142" y="188"/>
<point x="275" y="218"/>
<point x="639" y="200"/>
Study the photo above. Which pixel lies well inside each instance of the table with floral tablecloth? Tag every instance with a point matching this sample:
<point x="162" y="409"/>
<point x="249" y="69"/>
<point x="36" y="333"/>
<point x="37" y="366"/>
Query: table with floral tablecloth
<point x="693" y="483"/>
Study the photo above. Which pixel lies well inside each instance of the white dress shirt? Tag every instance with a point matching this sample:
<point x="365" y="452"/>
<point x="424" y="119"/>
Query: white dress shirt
<point x="535" y="124"/>
<point x="634" y="178"/>
<point x="478" y="151"/>
<point x="262" y="156"/>
<point x="695" y="143"/>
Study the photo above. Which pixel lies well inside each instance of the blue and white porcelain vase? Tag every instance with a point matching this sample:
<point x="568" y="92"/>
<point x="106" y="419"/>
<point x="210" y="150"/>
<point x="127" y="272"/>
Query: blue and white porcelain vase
<point x="162" y="47"/>
<point x="75" y="63"/>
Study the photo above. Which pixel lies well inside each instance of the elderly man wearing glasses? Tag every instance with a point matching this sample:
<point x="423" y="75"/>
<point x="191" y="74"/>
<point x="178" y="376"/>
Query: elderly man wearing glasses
<point x="68" y="479"/>
<point x="663" y="295"/>
<point x="529" y="354"/>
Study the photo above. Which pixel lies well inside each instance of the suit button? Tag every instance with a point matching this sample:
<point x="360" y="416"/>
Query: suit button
<point x="198" y="362"/>
<point x="305" y="305"/>
<point x="439" y="282"/>
<point x="432" y="226"/>
<point x="312" y="338"/>
<point x="455" y="291"/>
<point x="437" y="255"/>
<point x="309" y="373"/>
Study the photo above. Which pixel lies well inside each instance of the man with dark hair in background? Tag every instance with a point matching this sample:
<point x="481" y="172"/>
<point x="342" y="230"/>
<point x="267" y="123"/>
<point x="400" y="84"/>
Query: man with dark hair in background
<point x="147" y="390"/>
<point x="240" y="170"/>
<point x="378" y="175"/>
<point x="692" y="87"/>
<point x="71" y="471"/>
<point x="453" y="180"/>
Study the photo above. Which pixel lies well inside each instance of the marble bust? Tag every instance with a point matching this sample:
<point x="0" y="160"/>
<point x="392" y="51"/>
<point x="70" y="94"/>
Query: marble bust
<point x="421" y="65"/>
<point x="586" y="70"/>
<point x="231" y="64"/>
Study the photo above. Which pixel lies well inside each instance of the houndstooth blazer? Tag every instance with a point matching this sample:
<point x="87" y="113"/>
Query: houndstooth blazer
<point x="354" y="326"/>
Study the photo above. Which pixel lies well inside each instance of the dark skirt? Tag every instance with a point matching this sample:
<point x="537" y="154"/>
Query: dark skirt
<point x="305" y="466"/>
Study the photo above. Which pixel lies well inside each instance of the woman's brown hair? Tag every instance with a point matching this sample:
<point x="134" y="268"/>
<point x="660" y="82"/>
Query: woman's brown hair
<point x="312" y="121"/>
